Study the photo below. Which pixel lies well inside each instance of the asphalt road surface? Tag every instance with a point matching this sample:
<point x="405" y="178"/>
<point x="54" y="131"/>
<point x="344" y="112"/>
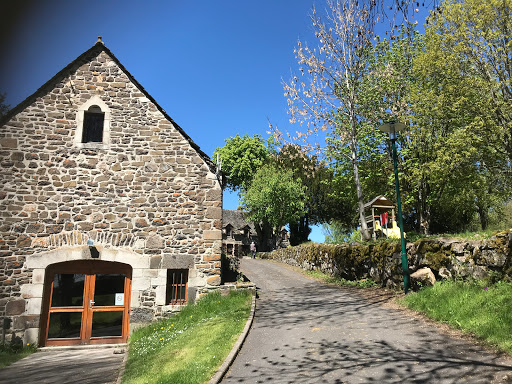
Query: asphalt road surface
<point x="307" y="332"/>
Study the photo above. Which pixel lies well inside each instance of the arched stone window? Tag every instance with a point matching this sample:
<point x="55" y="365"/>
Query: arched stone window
<point x="94" y="120"/>
<point x="93" y="124"/>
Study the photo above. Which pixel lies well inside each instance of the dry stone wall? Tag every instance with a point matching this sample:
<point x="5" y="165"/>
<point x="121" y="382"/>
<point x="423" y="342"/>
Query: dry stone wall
<point x="443" y="258"/>
<point x="146" y="192"/>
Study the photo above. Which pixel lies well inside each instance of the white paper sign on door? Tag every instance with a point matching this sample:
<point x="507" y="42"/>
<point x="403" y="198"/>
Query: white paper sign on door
<point x="119" y="298"/>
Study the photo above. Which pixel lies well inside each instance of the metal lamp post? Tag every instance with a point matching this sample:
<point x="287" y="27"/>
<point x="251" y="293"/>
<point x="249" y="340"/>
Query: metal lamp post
<point x="392" y="128"/>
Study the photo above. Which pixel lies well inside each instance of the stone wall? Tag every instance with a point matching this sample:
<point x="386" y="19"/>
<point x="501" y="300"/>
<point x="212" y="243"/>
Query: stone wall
<point x="146" y="196"/>
<point x="446" y="258"/>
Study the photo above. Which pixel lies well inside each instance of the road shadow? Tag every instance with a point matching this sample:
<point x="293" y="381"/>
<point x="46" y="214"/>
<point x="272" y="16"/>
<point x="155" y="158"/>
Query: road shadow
<point x="380" y="362"/>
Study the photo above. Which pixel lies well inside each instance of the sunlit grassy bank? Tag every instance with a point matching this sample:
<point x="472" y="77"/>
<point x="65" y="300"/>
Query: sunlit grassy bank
<point x="482" y="310"/>
<point x="190" y="346"/>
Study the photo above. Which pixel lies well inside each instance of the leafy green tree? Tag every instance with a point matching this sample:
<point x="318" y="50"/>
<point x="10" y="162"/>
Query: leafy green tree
<point x="241" y="157"/>
<point x="275" y="198"/>
<point x="443" y="161"/>
<point x="459" y="146"/>
<point x="474" y="38"/>
<point x="387" y="87"/>
<point x="397" y="84"/>
<point x="321" y="203"/>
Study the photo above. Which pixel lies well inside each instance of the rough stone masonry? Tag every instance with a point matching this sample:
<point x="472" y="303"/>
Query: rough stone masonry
<point x="146" y="195"/>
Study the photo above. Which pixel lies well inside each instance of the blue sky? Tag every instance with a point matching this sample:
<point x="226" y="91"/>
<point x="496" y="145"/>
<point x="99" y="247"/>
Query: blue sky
<point x="216" y="67"/>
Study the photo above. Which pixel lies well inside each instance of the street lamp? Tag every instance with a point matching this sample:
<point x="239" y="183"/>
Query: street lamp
<point x="392" y="128"/>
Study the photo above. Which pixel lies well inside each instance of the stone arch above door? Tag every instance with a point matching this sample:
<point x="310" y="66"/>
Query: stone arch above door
<point x="39" y="262"/>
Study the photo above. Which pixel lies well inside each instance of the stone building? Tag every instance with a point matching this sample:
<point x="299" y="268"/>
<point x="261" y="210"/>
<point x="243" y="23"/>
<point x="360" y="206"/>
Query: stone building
<point x="237" y="233"/>
<point x="110" y="215"/>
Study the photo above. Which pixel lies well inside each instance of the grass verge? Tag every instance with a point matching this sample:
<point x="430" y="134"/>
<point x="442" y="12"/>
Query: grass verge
<point x="190" y="346"/>
<point x="10" y="354"/>
<point x="363" y="283"/>
<point x="475" y="308"/>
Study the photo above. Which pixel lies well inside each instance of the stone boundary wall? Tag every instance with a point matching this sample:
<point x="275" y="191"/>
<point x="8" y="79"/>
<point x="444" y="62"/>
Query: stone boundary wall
<point x="447" y="258"/>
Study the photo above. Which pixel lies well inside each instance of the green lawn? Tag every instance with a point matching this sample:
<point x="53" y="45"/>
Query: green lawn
<point x="190" y="346"/>
<point x="475" y="308"/>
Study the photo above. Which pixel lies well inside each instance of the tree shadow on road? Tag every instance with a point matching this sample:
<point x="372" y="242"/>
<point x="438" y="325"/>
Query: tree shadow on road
<point x="348" y="339"/>
<point x="339" y="362"/>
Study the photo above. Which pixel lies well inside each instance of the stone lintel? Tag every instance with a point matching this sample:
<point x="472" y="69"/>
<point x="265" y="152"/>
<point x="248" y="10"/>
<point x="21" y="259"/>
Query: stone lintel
<point x="177" y="262"/>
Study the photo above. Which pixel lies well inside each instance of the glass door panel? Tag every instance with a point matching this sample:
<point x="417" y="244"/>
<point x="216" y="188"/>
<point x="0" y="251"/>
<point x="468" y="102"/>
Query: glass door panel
<point x="108" y="309"/>
<point x="68" y="290"/>
<point x="64" y="325"/>
<point x="109" y="289"/>
<point x="107" y="324"/>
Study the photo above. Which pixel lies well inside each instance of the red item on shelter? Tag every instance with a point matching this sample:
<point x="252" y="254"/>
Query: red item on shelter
<point x="384" y="219"/>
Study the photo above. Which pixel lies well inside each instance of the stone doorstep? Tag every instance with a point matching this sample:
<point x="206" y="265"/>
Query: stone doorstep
<point x="81" y="347"/>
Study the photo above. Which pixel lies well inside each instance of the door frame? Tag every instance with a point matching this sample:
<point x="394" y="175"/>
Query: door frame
<point x="90" y="268"/>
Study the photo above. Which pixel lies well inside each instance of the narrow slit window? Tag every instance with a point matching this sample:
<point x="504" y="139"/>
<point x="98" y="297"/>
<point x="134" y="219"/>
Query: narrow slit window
<point x="177" y="280"/>
<point x="94" y="120"/>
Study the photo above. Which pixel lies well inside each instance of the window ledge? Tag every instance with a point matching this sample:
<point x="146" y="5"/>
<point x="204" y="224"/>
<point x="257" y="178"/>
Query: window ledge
<point x="97" y="146"/>
<point x="173" y="307"/>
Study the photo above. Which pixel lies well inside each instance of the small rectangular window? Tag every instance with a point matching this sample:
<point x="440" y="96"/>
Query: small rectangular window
<point x="177" y="280"/>
<point x="93" y="127"/>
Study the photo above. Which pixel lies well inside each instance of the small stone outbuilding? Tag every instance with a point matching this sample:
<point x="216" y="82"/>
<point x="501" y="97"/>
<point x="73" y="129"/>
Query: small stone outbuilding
<point x="237" y="233"/>
<point x="110" y="215"/>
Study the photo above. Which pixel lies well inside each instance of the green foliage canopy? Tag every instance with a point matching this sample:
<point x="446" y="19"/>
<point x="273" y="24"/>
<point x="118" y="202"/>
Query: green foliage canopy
<point x="458" y="155"/>
<point x="274" y="197"/>
<point x="241" y="157"/>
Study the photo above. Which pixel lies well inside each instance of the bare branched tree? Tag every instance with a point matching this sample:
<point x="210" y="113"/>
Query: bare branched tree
<point x="329" y="93"/>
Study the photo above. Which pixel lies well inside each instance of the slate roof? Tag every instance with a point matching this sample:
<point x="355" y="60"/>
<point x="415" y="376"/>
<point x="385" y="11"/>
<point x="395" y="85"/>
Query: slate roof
<point x="95" y="50"/>
<point x="236" y="219"/>
<point x="380" y="201"/>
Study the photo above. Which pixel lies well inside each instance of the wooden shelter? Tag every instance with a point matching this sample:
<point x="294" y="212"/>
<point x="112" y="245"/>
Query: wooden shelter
<point x="378" y="206"/>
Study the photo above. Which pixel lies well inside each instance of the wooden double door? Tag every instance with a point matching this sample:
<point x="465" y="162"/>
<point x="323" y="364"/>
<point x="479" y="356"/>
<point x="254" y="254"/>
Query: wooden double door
<point x="86" y="302"/>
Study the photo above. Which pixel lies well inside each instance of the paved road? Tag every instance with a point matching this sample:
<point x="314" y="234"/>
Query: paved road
<point x="81" y="366"/>
<point x="306" y="332"/>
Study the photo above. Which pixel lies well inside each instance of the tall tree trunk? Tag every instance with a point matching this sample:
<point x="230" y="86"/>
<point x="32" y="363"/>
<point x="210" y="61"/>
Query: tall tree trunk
<point x="425" y="222"/>
<point x="483" y="212"/>
<point x="299" y="231"/>
<point x="424" y="208"/>
<point x="360" y="198"/>
<point x="265" y="237"/>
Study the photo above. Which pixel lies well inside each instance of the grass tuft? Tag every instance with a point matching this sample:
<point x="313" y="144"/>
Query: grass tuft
<point x="363" y="283"/>
<point x="476" y="308"/>
<point x="190" y="346"/>
<point x="11" y="353"/>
